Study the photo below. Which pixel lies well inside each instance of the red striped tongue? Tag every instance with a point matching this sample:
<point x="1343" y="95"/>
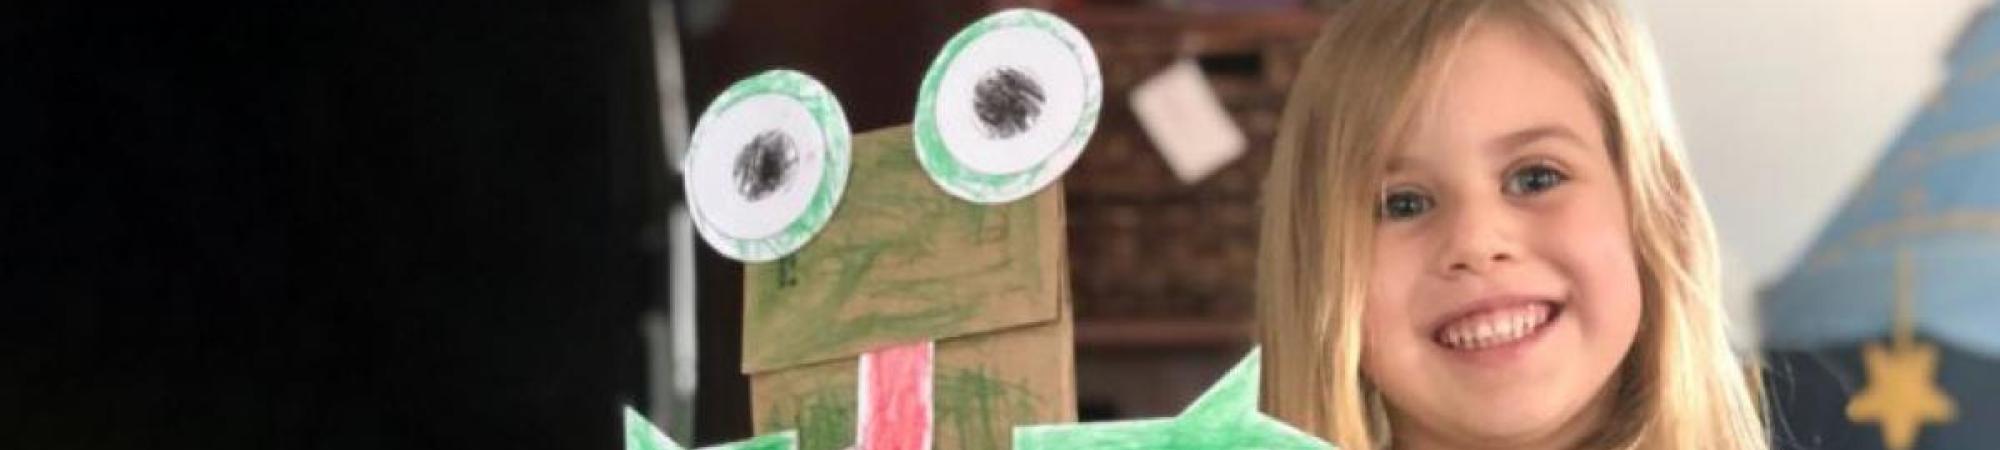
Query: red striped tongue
<point x="895" y="399"/>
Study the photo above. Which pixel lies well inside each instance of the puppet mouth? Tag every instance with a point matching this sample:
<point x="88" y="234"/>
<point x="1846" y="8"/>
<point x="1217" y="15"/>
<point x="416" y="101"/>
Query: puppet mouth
<point x="1496" y="326"/>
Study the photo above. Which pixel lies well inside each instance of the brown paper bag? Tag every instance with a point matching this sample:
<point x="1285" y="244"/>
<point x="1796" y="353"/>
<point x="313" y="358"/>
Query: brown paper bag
<point x="902" y="262"/>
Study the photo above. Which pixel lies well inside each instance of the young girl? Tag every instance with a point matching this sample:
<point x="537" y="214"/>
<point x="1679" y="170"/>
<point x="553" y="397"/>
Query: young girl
<point x="1479" y="232"/>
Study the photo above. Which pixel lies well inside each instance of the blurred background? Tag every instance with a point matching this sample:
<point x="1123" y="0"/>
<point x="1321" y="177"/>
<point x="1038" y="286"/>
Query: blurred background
<point x="379" y="224"/>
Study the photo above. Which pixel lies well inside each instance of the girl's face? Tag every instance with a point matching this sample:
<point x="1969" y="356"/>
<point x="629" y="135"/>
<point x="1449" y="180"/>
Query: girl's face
<point x="1504" y="292"/>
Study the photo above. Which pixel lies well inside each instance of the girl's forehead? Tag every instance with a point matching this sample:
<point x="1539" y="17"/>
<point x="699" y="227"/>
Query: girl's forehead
<point x="1502" y="82"/>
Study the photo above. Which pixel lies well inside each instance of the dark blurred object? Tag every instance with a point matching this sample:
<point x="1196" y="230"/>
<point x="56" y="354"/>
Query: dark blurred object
<point x="1810" y="390"/>
<point x="1232" y="5"/>
<point x="339" y="225"/>
<point x="871" y="54"/>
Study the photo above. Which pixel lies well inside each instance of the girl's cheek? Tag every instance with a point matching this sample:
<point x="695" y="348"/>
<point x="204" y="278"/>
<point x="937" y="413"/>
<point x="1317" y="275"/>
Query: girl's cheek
<point x="1591" y="233"/>
<point x="1388" y="277"/>
<point x="1587" y="223"/>
<point x="1399" y="262"/>
<point x="1395" y="282"/>
<point x="1603" y="222"/>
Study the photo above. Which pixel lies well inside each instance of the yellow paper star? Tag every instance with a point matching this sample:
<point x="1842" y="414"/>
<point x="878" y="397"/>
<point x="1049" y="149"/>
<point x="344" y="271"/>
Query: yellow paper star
<point x="1900" y="394"/>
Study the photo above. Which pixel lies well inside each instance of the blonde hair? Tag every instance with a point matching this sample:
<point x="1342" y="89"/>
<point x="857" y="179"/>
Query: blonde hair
<point x="1680" y="386"/>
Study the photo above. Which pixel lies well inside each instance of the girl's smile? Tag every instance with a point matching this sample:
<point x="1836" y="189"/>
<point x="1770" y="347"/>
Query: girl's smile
<point x="1496" y="324"/>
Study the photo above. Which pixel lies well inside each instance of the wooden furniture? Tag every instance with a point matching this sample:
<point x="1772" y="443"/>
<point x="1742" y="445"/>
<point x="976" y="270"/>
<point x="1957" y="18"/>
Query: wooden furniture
<point x="1164" y="271"/>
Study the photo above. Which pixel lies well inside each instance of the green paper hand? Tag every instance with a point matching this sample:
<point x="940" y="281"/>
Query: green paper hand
<point x="641" y="435"/>
<point x="1225" y="417"/>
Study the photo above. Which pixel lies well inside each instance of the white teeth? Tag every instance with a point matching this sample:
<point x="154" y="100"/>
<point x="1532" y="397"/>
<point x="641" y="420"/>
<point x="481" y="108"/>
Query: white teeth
<point x="1494" y="327"/>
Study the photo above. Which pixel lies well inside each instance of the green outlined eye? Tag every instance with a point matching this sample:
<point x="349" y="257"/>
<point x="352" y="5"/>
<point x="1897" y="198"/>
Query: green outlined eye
<point x="767" y="165"/>
<point x="1007" y="106"/>
<point x="1533" y="179"/>
<point x="1402" y="205"/>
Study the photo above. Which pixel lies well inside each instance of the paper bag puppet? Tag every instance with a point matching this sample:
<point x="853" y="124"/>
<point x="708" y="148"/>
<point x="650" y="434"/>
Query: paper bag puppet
<point x="906" y="288"/>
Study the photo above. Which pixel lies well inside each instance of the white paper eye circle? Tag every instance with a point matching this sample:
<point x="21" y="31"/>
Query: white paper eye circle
<point x="762" y="164"/>
<point x="1007" y="106"/>
<point x="767" y="165"/>
<point x="1011" y="101"/>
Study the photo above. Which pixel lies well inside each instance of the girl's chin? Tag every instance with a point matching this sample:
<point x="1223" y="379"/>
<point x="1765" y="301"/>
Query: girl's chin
<point x="1502" y="426"/>
<point x="1522" y="412"/>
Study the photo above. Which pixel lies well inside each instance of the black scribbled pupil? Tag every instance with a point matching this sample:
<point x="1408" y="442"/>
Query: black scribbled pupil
<point x="764" y="165"/>
<point x="1007" y="102"/>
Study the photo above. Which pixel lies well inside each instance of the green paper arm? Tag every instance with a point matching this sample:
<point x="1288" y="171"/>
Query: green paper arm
<point x="641" y="435"/>
<point x="1225" y="417"/>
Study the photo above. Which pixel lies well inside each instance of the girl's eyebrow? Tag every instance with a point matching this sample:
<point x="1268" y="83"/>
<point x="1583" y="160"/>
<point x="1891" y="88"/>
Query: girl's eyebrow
<point x="1537" y="133"/>
<point x="1510" y="142"/>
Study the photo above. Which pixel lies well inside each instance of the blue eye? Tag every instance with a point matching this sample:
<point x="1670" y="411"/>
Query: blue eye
<point x="1533" y="179"/>
<point x="1403" y="205"/>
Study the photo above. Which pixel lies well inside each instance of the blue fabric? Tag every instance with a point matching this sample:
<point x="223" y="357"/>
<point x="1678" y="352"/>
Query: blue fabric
<point x="1843" y="289"/>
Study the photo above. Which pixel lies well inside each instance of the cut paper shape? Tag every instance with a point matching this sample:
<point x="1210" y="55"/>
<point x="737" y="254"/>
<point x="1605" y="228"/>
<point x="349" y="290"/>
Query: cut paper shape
<point x="895" y="398"/>
<point x="640" y="434"/>
<point x="767" y="165"/>
<point x="1187" y="123"/>
<point x="1007" y="106"/>
<point x="1225" y="417"/>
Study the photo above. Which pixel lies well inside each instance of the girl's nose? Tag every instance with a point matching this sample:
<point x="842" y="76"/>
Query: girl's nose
<point x="1476" y="240"/>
